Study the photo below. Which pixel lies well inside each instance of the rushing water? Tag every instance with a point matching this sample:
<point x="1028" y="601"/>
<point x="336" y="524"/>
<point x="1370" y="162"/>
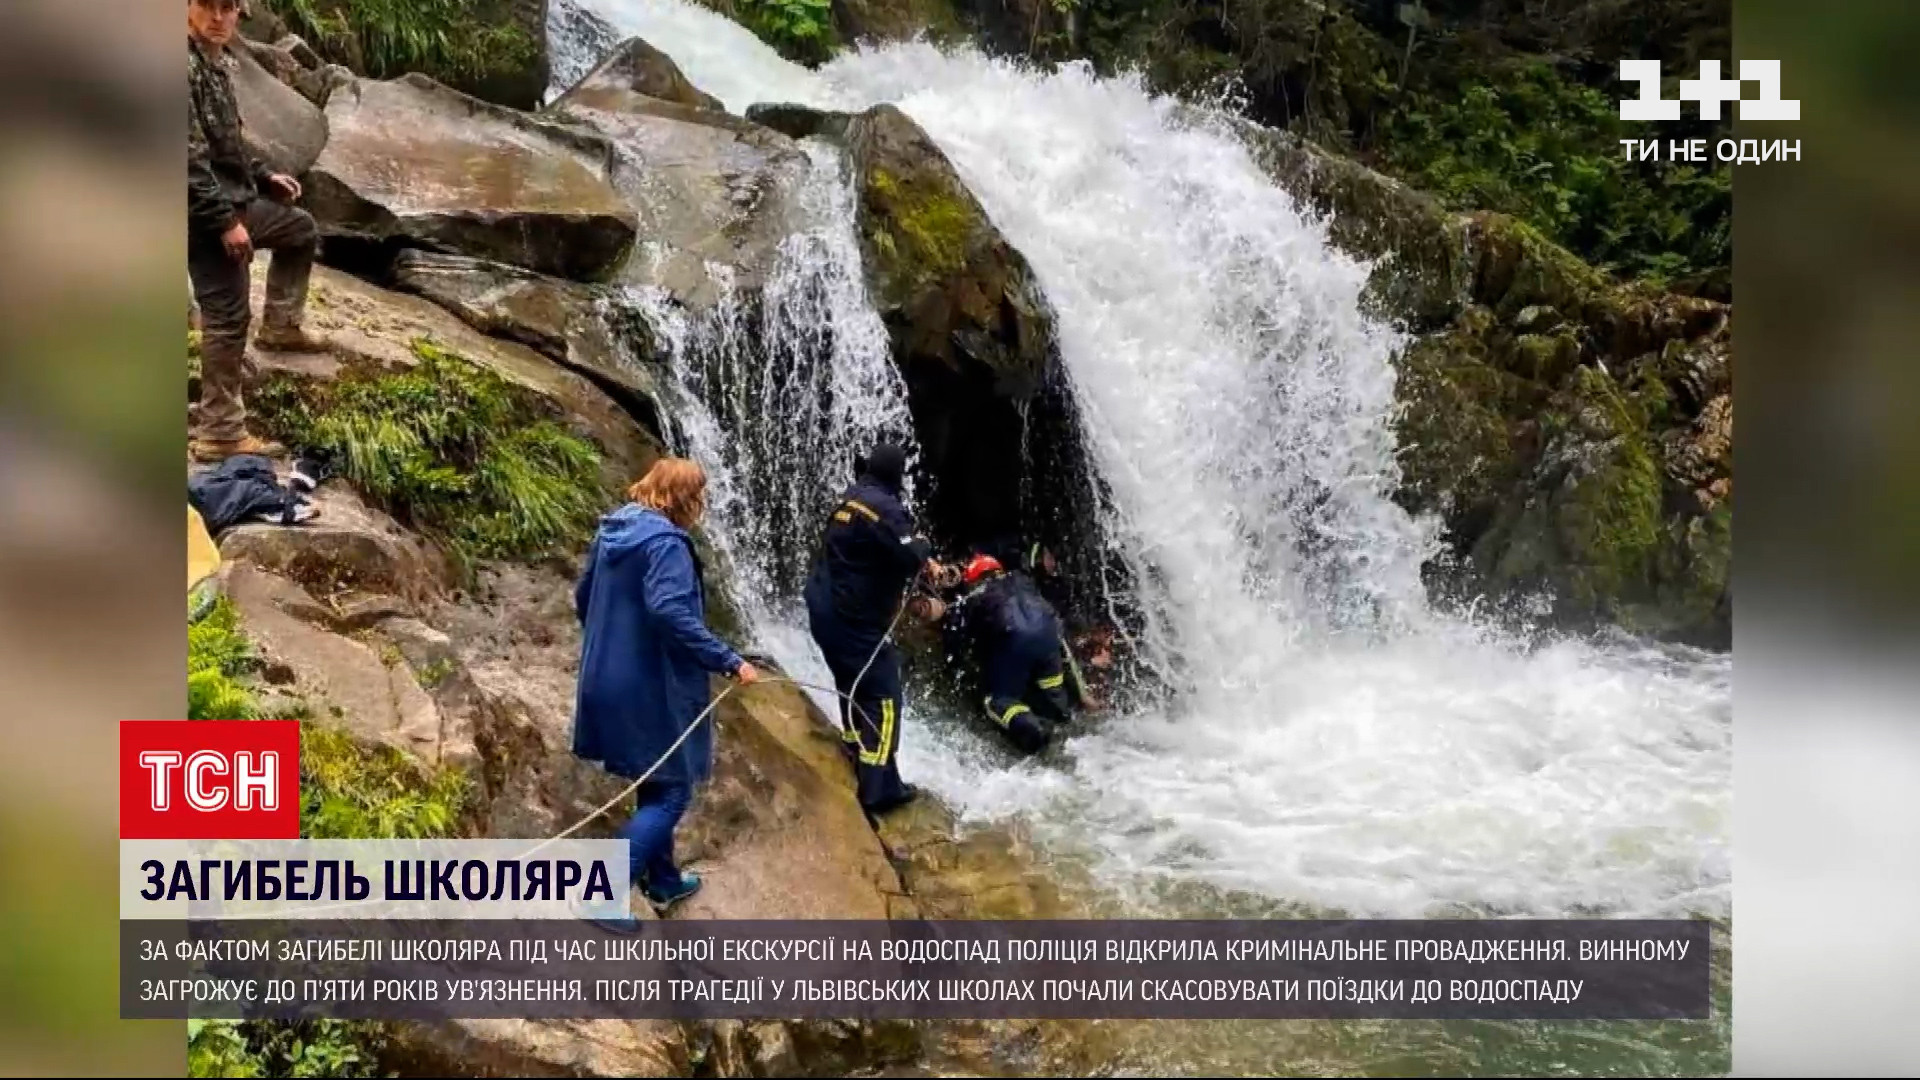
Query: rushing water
<point x="1331" y="741"/>
<point x="805" y="374"/>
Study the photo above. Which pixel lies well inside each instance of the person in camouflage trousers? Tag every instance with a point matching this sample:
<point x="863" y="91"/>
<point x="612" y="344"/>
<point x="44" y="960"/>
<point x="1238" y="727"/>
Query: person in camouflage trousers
<point x="234" y="205"/>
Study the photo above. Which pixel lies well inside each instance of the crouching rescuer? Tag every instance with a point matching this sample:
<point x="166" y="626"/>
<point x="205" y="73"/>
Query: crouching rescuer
<point x="1016" y="638"/>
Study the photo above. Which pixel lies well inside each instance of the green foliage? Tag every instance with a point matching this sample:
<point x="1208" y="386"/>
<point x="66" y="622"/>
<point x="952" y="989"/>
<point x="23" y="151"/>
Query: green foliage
<point x="1492" y="105"/>
<point x="449" y="39"/>
<point x="267" y="1048"/>
<point x="452" y="449"/>
<point x="802" y="30"/>
<point x="217" y="656"/>
<point x="354" y="792"/>
<point x="1529" y="143"/>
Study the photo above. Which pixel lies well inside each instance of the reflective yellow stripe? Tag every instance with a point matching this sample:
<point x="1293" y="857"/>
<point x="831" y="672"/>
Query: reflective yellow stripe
<point x="1052" y="682"/>
<point x="881" y="756"/>
<point x="856" y="504"/>
<point x="847" y="734"/>
<point x="842" y="516"/>
<point x="1003" y="719"/>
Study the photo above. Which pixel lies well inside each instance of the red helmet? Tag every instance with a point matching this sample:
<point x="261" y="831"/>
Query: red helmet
<point x="980" y="566"/>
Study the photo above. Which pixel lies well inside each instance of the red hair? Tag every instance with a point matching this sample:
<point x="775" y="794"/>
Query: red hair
<point x="674" y="486"/>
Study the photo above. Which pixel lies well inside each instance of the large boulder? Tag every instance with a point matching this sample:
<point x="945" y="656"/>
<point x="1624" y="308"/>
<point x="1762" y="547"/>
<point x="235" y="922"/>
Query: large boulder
<point x="295" y="64"/>
<point x="363" y="683"/>
<point x="577" y="40"/>
<point x="800" y="121"/>
<point x="567" y="322"/>
<point x="972" y="333"/>
<point x="716" y="193"/>
<point x="412" y="163"/>
<point x="283" y="128"/>
<point x="373" y="328"/>
<point x="1573" y="435"/>
<point x="350" y="550"/>
<point x="636" y="67"/>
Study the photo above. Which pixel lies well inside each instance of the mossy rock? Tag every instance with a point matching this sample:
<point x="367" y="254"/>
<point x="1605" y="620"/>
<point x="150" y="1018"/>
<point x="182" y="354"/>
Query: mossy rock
<point x="972" y="334"/>
<point x="1588" y="524"/>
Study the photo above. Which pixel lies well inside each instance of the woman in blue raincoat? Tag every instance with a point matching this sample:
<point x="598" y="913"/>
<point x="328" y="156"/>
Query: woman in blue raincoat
<point x="645" y="654"/>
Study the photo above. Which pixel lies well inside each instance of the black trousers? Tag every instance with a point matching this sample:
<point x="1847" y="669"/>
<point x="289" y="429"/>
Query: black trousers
<point x="1027" y="692"/>
<point x="866" y="668"/>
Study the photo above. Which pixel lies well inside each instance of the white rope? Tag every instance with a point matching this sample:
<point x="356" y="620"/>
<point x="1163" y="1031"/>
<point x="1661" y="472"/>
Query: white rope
<point x="624" y="792"/>
<point x="662" y="760"/>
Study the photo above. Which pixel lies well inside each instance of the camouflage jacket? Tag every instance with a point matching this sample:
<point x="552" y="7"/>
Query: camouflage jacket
<point x="223" y="176"/>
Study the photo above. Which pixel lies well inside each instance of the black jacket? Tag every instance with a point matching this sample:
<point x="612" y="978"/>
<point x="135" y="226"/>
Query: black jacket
<point x="1004" y="611"/>
<point x="868" y="557"/>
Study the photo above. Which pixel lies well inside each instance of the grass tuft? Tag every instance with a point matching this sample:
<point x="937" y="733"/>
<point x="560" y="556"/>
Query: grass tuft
<point x="452" y="449"/>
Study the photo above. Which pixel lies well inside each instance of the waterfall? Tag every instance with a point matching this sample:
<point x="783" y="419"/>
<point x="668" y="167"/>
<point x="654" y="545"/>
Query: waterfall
<point x="1329" y="738"/>
<point x="802" y="372"/>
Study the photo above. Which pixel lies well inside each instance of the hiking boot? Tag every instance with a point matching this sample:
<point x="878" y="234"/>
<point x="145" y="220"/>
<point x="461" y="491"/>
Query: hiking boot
<point x="908" y="793"/>
<point x="662" y="899"/>
<point x="213" y="451"/>
<point x="288" y="339"/>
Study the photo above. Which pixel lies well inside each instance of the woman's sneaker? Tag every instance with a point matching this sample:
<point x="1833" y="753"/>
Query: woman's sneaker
<point x="662" y="899"/>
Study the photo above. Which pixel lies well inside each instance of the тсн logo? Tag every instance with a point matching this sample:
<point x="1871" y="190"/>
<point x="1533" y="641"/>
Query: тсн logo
<point x="209" y="779"/>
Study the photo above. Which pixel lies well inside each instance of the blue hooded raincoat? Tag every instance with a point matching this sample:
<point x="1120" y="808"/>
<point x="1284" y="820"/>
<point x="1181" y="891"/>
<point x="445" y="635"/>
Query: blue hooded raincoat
<point x="645" y="651"/>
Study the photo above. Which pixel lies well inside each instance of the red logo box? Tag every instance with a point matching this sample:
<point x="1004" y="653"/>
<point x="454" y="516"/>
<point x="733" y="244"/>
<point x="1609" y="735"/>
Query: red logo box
<point x="209" y="779"/>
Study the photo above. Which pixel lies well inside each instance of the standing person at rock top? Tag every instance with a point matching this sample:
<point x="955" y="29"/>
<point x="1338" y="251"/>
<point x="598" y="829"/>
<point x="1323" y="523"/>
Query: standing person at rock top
<point x="232" y="209"/>
<point x="870" y="554"/>
<point x="645" y="654"/>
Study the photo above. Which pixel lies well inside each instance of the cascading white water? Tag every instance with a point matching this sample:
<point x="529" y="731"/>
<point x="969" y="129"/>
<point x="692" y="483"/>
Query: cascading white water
<point x="1333" y="740"/>
<point x="804" y="375"/>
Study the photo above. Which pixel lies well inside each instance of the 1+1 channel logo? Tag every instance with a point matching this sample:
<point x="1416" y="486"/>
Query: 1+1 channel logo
<point x="1711" y="92"/>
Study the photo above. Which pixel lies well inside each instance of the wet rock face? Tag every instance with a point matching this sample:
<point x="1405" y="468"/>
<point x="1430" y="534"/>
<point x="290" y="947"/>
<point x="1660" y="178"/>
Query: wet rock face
<point x="564" y="321"/>
<point x="717" y="194"/>
<point x="371" y="327"/>
<point x="411" y="163"/>
<point x="282" y="127"/>
<point x="800" y="121"/>
<point x="636" y="67"/>
<point x="972" y="333"/>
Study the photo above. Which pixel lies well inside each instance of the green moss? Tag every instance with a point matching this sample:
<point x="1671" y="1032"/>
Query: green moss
<point x="450" y="448"/>
<point x="1609" y="517"/>
<point x="353" y="792"/>
<point x="936" y="225"/>
<point x="1455" y="429"/>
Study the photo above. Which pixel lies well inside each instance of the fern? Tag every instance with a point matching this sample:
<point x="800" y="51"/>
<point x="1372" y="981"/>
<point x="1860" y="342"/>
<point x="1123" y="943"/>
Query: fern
<point x="353" y="792"/>
<point x="450" y="448"/>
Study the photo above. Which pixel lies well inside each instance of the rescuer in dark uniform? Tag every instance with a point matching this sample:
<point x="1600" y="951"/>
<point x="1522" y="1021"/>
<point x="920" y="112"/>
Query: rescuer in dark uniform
<point x="1016" y="638"/>
<point x="870" y="555"/>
